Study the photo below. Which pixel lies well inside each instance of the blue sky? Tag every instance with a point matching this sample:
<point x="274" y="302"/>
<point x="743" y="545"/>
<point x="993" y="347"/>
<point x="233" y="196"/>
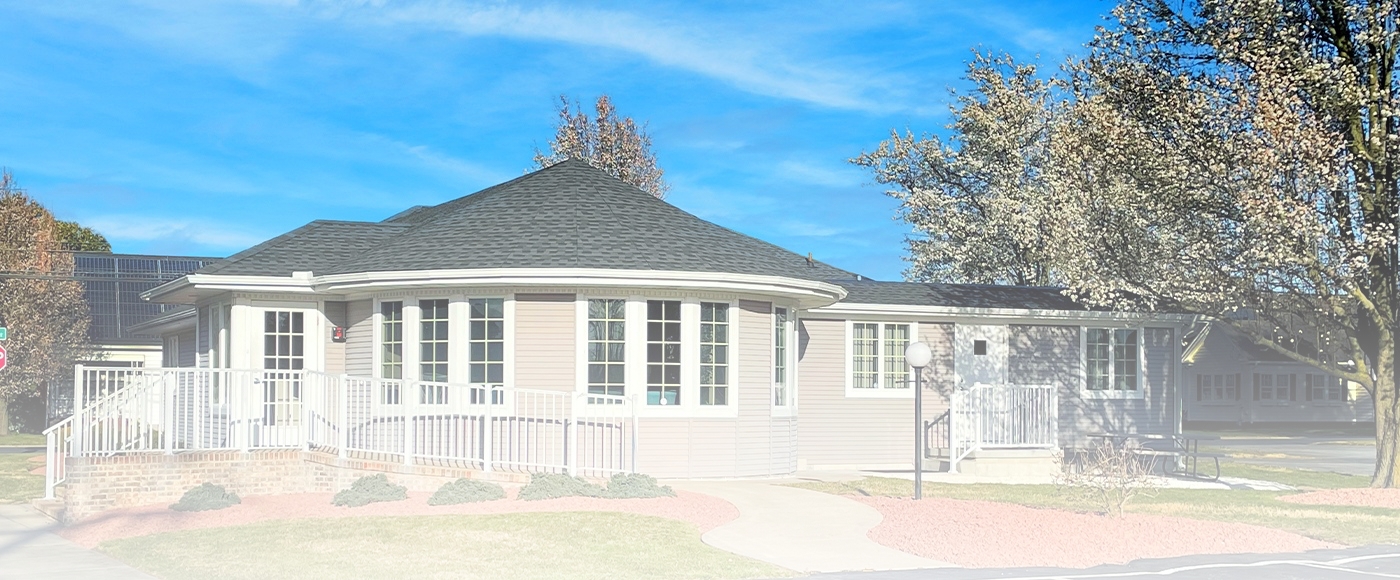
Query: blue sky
<point x="205" y="127"/>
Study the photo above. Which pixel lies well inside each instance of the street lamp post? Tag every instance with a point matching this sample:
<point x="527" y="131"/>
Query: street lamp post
<point x="918" y="356"/>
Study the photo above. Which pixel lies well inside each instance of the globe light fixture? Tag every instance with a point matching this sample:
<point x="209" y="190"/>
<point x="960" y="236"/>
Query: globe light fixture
<point x="918" y="355"/>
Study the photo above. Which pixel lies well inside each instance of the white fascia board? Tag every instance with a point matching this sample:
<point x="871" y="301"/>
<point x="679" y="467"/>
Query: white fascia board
<point x="844" y="310"/>
<point x="165" y="324"/>
<point x="809" y="292"/>
<point x="192" y="284"/>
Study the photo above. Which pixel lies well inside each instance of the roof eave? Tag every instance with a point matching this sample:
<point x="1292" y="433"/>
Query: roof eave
<point x="844" y="309"/>
<point x="173" y="321"/>
<point x="808" y="293"/>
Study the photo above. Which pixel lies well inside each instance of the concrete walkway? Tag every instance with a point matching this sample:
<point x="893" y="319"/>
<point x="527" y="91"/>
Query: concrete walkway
<point x="30" y="551"/>
<point x="801" y="530"/>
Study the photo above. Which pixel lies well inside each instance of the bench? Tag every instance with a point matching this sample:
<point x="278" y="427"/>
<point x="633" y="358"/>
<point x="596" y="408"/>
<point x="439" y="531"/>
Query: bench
<point x="1186" y="449"/>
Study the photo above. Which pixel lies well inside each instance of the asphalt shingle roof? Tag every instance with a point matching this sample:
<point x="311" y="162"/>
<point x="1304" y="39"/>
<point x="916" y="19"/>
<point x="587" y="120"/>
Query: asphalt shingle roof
<point x="958" y="295"/>
<point x="570" y="215"/>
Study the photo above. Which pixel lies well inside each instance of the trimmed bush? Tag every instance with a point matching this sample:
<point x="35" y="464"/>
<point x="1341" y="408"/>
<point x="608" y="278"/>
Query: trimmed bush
<point x="554" y="485"/>
<point x="636" y="485"/>
<point x="466" y="491"/>
<point x="370" y="489"/>
<point x="205" y="497"/>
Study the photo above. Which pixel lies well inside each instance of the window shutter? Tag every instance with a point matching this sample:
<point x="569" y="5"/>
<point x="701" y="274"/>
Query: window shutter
<point x="1292" y="387"/>
<point x="1238" y="386"/>
<point x="1198" y="387"/>
<point x="1256" y="386"/>
<point x="1308" y="387"/>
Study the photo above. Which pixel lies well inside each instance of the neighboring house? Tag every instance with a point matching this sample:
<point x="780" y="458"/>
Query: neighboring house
<point x="112" y="287"/>
<point x="1231" y="379"/>
<point x="567" y="320"/>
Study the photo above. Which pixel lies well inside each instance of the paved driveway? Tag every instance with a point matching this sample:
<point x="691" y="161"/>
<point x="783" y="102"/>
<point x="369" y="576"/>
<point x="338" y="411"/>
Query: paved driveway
<point x="1350" y="455"/>
<point x="1348" y="564"/>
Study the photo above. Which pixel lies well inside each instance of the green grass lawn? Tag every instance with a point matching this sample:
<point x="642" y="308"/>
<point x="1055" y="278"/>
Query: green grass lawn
<point x="572" y="545"/>
<point x="1299" y="478"/>
<point x="16" y="484"/>
<point x="25" y="439"/>
<point x="1343" y="525"/>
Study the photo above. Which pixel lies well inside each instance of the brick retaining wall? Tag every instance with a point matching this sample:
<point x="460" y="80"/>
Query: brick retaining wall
<point x="97" y="484"/>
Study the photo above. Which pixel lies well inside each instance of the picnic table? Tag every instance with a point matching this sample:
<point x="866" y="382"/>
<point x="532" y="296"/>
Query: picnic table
<point x="1184" y="448"/>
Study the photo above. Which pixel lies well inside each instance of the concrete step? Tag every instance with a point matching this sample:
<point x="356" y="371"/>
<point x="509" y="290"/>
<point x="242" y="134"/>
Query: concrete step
<point x="52" y="508"/>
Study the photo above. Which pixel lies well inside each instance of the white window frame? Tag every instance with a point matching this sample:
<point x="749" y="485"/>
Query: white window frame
<point x="731" y="331"/>
<point x="790" y="360"/>
<point x="1220" y="382"/>
<point x="584" y="318"/>
<point x="1275" y="389"/>
<point x="1330" y="384"/>
<point x="1139" y="393"/>
<point x="636" y="354"/>
<point x="881" y="391"/>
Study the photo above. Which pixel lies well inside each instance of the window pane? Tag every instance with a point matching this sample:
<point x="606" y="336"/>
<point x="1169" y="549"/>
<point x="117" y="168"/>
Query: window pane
<point x="865" y="344"/>
<point x="713" y="353"/>
<point x="896" y="370"/>
<point x="663" y="352"/>
<point x="486" y="339"/>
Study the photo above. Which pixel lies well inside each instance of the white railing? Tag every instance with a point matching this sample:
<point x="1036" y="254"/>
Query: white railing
<point x="59" y="442"/>
<point x="488" y="427"/>
<point x="1002" y="417"/>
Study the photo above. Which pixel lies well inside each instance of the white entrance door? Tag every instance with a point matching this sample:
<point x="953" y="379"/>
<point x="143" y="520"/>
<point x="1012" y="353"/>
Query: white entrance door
<point x="980" y="354"/>
<point x="284" y="359"/>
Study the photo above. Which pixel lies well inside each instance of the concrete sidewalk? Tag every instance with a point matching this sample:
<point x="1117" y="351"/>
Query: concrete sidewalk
<point x="29" y="550"/>
<point x="802" y="530"/>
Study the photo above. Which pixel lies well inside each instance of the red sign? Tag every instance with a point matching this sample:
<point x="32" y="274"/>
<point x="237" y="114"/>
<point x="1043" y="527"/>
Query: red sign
<point x="3" y="359"/>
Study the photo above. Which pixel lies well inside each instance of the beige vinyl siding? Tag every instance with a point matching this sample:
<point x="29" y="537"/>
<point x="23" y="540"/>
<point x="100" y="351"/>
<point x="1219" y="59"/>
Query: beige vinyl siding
<point x="754" y="352"/>
<point x="359" y="339"/>
<point x="335" y="351"/>
<point x="545" y="335"/>
<point x="186" y="355"/>
<point x="840" y="431"/>
<point x="753" y="444"/>
<point x="1154" y="412"/>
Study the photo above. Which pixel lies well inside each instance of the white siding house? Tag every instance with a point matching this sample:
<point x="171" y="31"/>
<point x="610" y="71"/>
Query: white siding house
<point x="432" y="336"/>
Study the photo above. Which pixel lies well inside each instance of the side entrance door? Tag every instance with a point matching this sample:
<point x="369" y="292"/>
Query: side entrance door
<point x="284" y="359"/>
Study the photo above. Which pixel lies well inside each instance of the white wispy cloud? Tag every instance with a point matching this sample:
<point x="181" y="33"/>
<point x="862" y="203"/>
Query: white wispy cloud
<point x="762" y="59"/>
<point x="827" y="174"/>
<point x="757" y="65"/>
<point x="145" y="228"/>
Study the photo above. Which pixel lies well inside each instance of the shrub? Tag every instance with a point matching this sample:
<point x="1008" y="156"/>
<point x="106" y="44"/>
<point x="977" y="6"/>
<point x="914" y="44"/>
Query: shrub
<point x="466" y="491"/>
<point x="554" y="485"/>
<point x="636" y="485"/>
<point x="370" y="489"/>
<point x="1108" y="476"/>
<point x="205" y="497"/>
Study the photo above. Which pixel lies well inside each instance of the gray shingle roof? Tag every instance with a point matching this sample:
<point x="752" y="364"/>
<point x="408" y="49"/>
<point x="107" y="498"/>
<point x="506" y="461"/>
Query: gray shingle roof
<point x="570" y="215"/>
<point x="314" y="247"/>
<point x="958" y="295"/>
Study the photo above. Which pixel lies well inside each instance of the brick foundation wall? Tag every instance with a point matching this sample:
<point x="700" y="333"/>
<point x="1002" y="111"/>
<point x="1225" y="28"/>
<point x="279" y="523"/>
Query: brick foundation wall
<point x="97" y="484"/>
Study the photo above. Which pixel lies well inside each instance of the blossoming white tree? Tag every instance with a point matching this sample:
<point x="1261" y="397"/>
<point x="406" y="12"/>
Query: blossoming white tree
<point x="978" y="200"/>
<point x="617" y="145"/>
<point x="1219" y="157"/>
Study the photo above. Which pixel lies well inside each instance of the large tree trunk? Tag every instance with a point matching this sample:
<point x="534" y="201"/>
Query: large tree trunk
<point x="4" y="416"/>
<point x="1387" y="472"/>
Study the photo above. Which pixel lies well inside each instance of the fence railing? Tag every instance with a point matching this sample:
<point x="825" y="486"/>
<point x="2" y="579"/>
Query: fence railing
<point x="488" y="427"/>
<point x="1002" y="417"/>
